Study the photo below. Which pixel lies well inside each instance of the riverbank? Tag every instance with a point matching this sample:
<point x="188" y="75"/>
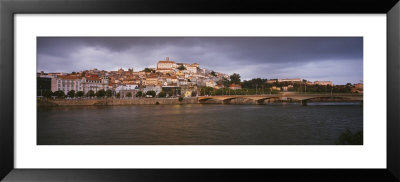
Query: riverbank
<point x="156" y="101"/>
<point x="114" y="102"/>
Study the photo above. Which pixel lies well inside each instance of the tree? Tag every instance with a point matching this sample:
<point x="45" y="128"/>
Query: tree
<point x="225" y="82"/>
<point x="71" y="93"/>
<point x="162" y="94"/>
<point x="118" y="95"/>
<point x="349" y="138"/>
<point x="235" y="78"/>
<point x="79" y="93"/>
<point x="108" y="93"/>
<point x="128" y="94"/>
<point x="206" y="90"/>
<point x="101" y="93"/>
<point x="90" y="93"/>
<point x="254" y="83"/>
<point x="213" y="73"/>
<point x="139" y="94"/>
<point x="151" y="92"/>
<point x="181" y="67"/>
<point x="59" y="94"/>
<point x="47" y="93"/>
<point x="147" y="70"/>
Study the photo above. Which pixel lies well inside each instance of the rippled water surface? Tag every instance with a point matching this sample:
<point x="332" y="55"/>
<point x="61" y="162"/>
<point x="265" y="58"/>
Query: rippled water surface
<point x="196" y="124"/>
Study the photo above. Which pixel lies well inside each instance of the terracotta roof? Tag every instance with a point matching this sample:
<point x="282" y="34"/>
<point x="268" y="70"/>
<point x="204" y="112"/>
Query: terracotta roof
<point x="69" y="77"/>
<point x="234" y="85"/>
<point x="166" y="61"/>
<point x="91" y="78"/>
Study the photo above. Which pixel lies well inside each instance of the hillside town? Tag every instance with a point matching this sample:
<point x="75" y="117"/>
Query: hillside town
<point x="172" y="79"/>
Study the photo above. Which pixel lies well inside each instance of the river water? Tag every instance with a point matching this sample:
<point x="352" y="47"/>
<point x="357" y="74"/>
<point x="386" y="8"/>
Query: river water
<point x="198" y="124"/>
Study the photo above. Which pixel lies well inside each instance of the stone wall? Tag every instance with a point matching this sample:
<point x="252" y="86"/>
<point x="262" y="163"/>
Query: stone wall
<point x="111" y="102"/>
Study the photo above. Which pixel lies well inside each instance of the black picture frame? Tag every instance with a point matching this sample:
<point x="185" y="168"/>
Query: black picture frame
<point x="8" y="8"/>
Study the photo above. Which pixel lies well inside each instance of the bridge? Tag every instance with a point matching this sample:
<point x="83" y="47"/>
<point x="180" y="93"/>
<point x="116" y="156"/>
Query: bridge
<point x="301" y="97"/>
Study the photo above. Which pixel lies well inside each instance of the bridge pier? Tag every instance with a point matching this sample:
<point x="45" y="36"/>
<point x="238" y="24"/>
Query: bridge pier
<point x="261" y="102"/>
<point x="304" y="102"/>
<point x="226" y="101"/>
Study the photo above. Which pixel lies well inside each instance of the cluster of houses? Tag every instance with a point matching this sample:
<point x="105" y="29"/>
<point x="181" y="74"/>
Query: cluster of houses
<point x="170" y="76"/>
<point x="176" y="79"/>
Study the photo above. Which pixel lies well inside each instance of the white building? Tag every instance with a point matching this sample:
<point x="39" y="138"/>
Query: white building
<point x="94" y="83"/>
<point x="66" y="84"/>
<point x="166" y="64"/>
<point x="290" y="80"/>
<point x="322" y="83"/>
<point x="157" y="89"/>
<point x="191" y="69"/>
<point x="126" y="87"/>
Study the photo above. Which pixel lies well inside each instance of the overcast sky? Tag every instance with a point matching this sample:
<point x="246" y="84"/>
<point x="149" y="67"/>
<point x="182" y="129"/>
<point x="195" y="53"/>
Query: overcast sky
<point x="338" y="59"/>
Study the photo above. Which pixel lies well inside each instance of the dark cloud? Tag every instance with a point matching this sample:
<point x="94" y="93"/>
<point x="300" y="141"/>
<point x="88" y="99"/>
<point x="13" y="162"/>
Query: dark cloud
<point x="339" y="59"/>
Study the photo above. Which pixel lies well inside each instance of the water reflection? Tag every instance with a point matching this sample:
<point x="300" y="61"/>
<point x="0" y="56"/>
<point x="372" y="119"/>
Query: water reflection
<point x="272" y="124"/>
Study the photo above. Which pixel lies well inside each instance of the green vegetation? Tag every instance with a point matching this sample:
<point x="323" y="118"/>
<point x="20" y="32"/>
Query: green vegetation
<point x="226" y="91"/>
<point x="139" y="94"/>
<point x="254" y="83"/>
<point x="128" y="94"/>
<point x="147" y="70"/>
<point x="181" y="67"/>
<point x="101" y="93"/>
<point x="213" y="73"/>
<point x="235" y="78"/>
<point x="79" y="94"/>
<point x="71" y="93"/>
<point x="261" y="86"/>
<point x="151" y="92"/>
<point x="180" y="99"/>
<point x="59" y="94"/>
<point x="108" y="93"/>
<point x="349" y="138"/>
<point x="162" y="94"/>
<point x="47" y="93"/>
<point x="90" y="93"/>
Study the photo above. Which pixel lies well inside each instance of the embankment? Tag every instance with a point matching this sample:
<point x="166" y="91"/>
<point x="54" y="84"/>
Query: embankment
<point x="164" y="101"/>
<point x="113" y="102"/>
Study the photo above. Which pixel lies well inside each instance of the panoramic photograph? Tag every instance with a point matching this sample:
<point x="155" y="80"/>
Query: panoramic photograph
<point x="199" y="91"/>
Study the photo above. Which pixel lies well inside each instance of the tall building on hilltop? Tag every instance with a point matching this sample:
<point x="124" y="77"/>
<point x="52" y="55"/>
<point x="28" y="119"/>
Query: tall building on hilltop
<point x="166" y="64"/>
